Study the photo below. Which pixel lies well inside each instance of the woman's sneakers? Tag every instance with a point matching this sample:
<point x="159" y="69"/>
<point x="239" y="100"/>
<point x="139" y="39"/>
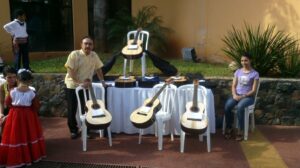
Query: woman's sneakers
<point x="228" y="133"/>
<point x="239" y="135"/>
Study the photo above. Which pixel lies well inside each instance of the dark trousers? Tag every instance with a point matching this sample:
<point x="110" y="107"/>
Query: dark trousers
<point x="22" y="53"/>
<point x="72" y="108"/>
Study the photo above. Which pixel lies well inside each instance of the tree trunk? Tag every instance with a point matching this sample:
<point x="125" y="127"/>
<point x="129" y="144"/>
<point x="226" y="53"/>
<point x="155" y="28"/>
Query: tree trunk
<point x="100" y="14"/>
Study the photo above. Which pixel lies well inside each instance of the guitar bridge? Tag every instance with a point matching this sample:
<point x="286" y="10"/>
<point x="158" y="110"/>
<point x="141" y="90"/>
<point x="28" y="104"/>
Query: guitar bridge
<point x="98" y="116"/>
<point x="141" y="113"/>
<point x="194" y="119"/>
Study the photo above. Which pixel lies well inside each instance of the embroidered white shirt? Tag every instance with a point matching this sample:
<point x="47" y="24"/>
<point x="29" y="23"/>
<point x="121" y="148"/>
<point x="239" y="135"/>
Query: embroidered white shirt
<point x="22" y="98"/>
<point x="15" y="29"/>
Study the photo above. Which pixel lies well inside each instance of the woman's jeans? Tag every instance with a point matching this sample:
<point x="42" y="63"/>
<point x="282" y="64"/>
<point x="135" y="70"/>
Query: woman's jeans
<point x="230" y="104"/>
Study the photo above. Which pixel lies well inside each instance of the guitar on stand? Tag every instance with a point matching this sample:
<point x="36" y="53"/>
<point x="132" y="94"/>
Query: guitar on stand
<point x="97" y="116"/>
<point x="194" y="120"/>
<point x="179" y="80"/>
<point x="144" y="116"/>
<point x="133" y="49"/>
<point x="125" y="81"/>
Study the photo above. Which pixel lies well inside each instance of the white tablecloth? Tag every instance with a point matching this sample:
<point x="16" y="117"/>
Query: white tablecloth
<point x="121" y="102"/>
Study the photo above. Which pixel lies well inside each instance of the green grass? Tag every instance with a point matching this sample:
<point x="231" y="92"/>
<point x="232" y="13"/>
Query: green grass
<point x="56" y="65"/>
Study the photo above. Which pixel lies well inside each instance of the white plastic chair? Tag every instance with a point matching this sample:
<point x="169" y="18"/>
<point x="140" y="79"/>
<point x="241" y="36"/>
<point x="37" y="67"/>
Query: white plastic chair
<point x="249" y="110"/>
<point x="144" y="37"/>
<point x="166" y="99"/>
<point x="99" y="93"/>
<point x="188" y="91"/>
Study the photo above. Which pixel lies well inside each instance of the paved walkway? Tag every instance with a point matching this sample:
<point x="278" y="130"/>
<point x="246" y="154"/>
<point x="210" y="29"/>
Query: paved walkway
<point x="268" y="146"/>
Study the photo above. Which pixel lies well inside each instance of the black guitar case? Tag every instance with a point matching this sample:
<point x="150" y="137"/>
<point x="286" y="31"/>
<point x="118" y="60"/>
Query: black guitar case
<point x="164" y="66"/>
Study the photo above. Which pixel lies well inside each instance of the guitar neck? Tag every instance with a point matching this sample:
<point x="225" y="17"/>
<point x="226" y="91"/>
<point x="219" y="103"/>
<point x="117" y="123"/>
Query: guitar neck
<point x="136" y="36"/>
<point x="195" y="96"/>
<point x="93" y="97"/>
<point x="158" y="93"/>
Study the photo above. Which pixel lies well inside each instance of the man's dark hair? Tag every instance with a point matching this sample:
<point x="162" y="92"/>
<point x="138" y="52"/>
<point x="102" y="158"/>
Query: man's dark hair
<point x="87" y="37"/>
<point x="8" y="69"/>
<point x="19" y="12"/>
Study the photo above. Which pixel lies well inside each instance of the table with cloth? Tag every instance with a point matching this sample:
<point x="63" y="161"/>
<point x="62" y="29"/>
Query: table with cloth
<point x="121" y="102"/>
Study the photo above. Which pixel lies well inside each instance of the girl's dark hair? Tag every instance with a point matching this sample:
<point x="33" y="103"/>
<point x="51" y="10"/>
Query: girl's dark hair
<point x="8" y="69"/>
<point x="24" y="75"/>
<point x="248" y="55"/>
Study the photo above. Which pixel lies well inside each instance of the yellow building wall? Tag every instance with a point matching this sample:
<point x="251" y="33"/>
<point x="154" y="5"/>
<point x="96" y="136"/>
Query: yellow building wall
<point x="203" y="23"/>
<point x="80" y="21"/>
<point x="5" y="39"/>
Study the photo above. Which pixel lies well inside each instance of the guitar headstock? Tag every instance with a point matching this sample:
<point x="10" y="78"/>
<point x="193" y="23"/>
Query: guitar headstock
<point x="139" y="29"/>
<point x="169" y="81"/>
<point x="196" y="82"/>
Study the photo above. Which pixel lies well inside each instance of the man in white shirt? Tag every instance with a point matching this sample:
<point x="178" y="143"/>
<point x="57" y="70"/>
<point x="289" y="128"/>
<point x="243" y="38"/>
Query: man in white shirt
<point x="17" y="29"/>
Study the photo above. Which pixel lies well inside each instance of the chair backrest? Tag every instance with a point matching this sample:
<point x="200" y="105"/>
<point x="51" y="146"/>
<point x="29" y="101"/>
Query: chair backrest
<point x="166" y="97"/>
<point x="99" y="91"/>
<point x="257" y="89"/>
<point x="143" y="36"/>
<point x="185" y="94"/>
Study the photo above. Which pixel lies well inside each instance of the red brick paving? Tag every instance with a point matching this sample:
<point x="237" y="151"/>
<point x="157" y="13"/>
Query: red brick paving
<point x="125" y="149"/>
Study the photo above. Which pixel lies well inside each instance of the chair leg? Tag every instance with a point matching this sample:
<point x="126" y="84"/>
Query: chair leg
<point x="182" y="139"/>
<point x="84" y="136"/>
<point x="109" y="136"/>
<point x="252" y="122"/>
<point x="160" y="134"/>
<point x="101" y="132"/>
<point x="201" y="137"/>
<point x="246" y="125"/>
<point x="208" y="141"/>
<point x="155" y="128"/>
<point x="172" y="136"/>
<point x="140" y="135"/>
<point x="224" y="125"/>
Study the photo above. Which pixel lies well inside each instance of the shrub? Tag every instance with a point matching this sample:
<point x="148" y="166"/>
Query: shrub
<point x="274" y="53"/>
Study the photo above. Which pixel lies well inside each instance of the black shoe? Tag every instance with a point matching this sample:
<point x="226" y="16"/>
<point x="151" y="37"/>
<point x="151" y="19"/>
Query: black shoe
<point x="74" y="135"/>
<point x="89" y="136"/>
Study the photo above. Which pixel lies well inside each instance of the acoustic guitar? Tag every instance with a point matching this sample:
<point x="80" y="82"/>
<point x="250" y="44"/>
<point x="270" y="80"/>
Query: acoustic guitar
<point x="179" y="80"/>
<point x="133" y="49"/>
<point x="97" y="116"/>
<point x="194" y="120"/>
<point x="144" y="116"/>
<point x="125" y="82"/>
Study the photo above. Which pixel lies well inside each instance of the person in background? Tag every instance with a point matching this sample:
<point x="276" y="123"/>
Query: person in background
<point x="22" y="140"/>
<point x="243" y="90"/>
<point x="17" y="30"/>
<point x="10" y="76"/>
<point x="81" y="65"/>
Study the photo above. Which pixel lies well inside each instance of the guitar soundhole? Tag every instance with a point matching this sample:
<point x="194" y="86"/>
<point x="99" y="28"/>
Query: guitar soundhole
<point x="95" y="106"/>
<point x="149" y="104"/>
<point x="194" y="109"/>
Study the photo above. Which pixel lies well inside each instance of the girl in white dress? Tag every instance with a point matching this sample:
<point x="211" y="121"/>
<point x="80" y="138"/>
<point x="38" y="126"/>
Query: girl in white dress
<point x="22" y="139"/>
